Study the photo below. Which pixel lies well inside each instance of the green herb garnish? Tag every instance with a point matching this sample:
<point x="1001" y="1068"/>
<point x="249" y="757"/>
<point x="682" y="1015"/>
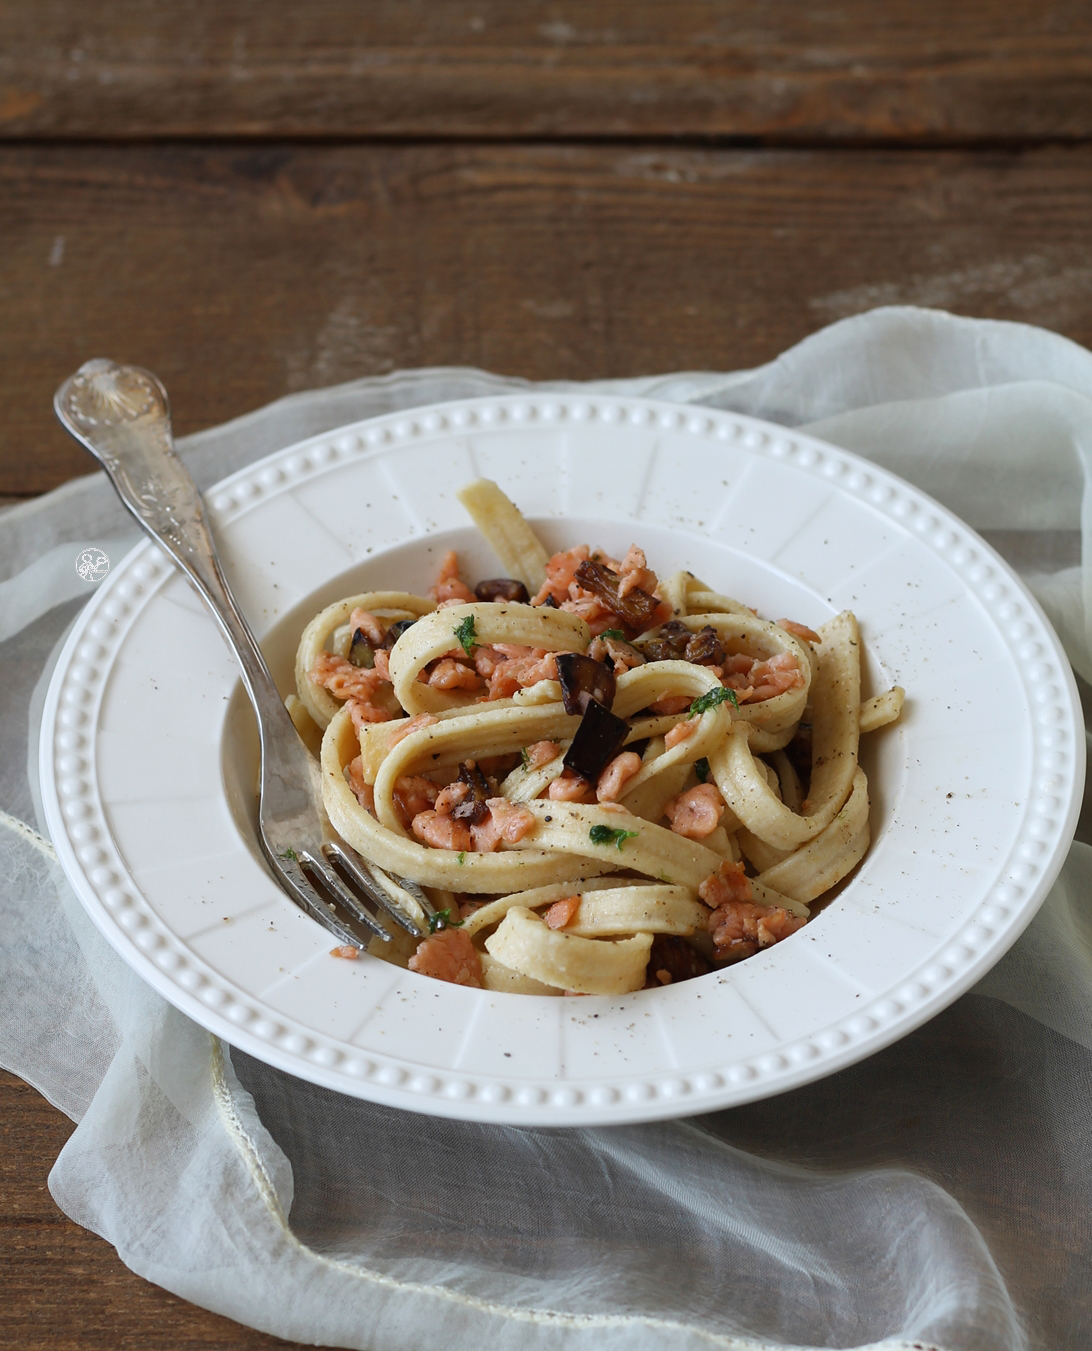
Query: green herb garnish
<point x="710" y="699"/>
<point x="290" y="854"/>
<point x="613" y="633"/>
<point x="611" y="835"/>
<point x="442" y="920"/>
<point x="464" y="631"/>
<point x="525" y="758"/>
<point x="702" y="770"/>
<point x="462" y="857"/>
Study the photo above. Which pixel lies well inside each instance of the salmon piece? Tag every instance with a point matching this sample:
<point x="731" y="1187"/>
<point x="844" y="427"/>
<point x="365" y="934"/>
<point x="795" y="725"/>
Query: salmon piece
<point x="753" y="681"/>
<point x="671" y="703"/>
<point x="739" y="927"/>
<point x="739" y="664"/>
<point x="409" y="726"/>
<point x="560" y="571"/>
<point x="356" y="686"/>
<point x="541" y="753"/>
<point x="682" y="731"/>
<point x="440" y="831"/>
<point x="799" y="631"/>
<point x="486" y="659"/>
<point x="697" y="812"/>
<point x="383" y="663"/>
<point x="449" y="955"/>
<point x="450" y="587"/>
<point x="362" y="712"/>
<point x="561" y="912"/>
<point x="413" y="795"/>
<point x="368" y="625"/>
<point x="611" y="783"/>
<point x="449" y="674"/>
<point x="634" y="572"/>
<point x="343" y="679"/>
<point x="449" y="798"/>
<point x="346" y="951"/>
<point x="728" y="883"/>
<point x="521" y="672"/>
<point x="507" y="823"/>
<point x="365" y="794"/>
<point x="570" y="787"/>
<point x="591" y="610"/>
<point x="775" y="676"/>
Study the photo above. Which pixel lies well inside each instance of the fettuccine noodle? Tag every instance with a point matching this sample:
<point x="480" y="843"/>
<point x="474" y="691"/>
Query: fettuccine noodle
<point x="603" y="781"/>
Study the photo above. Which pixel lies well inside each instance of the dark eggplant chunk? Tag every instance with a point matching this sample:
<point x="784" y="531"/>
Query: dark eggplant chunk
<point x="395" y="632"/>
<point x="675" y="642"/>
<point x="676" y="634"/>
<point x="598" y="740"/>
<point x="549" y="604"/>
<point x="706" y="648"/>
<point x="360" y="651"/>
<point x="675" y="955"/>
<point x="582" y="678"/>
<point x="473" y="809"/>
<point x="503" y="588"/>
<point x="669" y="644"/>
<point x="635" y="609"/>
<point x="652" y="649"/>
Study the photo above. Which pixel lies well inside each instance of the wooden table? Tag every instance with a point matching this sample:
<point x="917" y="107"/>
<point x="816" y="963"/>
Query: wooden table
<point x="258" y="199"/>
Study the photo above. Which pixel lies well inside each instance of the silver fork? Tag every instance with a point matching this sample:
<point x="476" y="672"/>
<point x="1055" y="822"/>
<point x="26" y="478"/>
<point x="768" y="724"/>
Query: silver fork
<point x="121" y="414"/>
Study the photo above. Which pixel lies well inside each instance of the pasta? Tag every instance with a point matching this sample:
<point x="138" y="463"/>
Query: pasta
<point x="604" y="781"/>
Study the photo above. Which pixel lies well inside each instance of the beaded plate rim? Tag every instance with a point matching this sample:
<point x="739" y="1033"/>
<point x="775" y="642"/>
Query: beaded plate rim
<point x="77" y="826"/>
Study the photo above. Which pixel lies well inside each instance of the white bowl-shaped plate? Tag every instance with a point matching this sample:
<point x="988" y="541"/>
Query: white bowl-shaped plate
<point x="147" y="757"/>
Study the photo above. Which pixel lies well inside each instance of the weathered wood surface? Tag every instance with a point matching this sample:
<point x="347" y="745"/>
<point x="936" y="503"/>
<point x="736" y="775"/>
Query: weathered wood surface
<point x="242" y="273"/>
<point x="63" y="1288"/>
<point x="973" y="69"/>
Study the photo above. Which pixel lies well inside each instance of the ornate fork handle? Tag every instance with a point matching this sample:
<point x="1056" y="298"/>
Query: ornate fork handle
<point x="121" y="414"/>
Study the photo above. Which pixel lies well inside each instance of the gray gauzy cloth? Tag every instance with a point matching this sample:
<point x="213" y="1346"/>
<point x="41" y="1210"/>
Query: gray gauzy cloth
<point x="938" y="1194"/>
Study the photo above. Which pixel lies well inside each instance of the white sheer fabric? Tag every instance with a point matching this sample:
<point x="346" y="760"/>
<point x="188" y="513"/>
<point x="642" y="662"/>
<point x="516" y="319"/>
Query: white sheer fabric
<point x="938" y="1194"/>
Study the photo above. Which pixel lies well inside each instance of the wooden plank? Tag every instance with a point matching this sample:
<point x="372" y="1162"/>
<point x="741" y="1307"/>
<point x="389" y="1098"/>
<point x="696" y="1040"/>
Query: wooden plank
<point x="65" y="1288"/>
<point x="240" y="274"/>
<point x="979" y="69"/>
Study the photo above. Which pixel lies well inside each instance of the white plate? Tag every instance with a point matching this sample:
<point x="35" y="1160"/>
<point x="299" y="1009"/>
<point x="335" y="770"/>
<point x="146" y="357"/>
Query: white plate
<point x="146" y="762"/>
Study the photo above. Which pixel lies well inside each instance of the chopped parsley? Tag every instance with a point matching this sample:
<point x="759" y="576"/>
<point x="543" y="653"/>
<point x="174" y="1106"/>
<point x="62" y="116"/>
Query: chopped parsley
<point x="613" y="633"/>
<point x="702" y="770"/>
<point x="290" y="854"/>
<point x="710" y="699"/>
<point x="525" y="758"/>
<point x="442" y="920"/>
<point x="611" y="835"/>
<point x="462" y="857"/>
<point x="466" y="635"/>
